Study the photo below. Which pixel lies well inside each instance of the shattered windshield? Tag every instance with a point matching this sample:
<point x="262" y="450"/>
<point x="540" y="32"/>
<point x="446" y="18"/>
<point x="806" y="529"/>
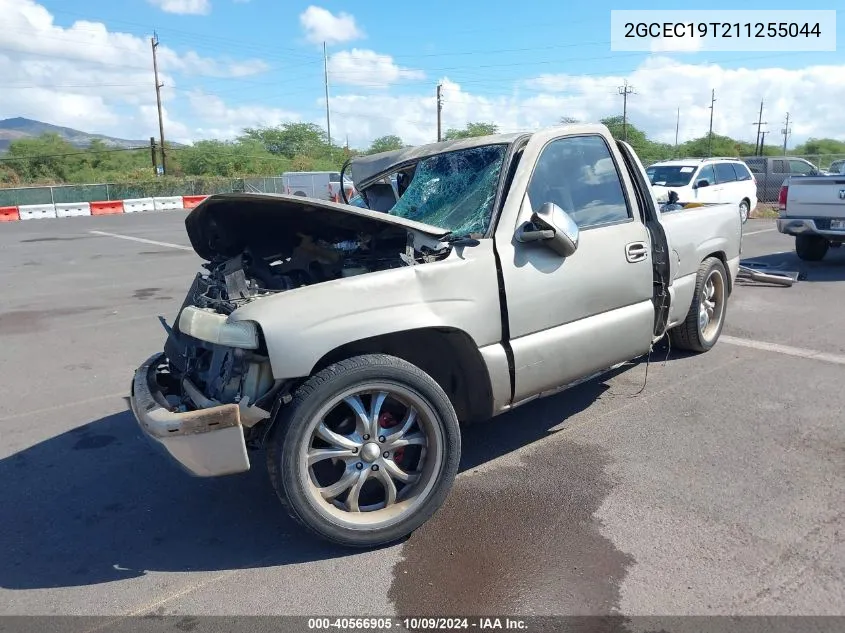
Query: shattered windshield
<point x="455" y="190"/>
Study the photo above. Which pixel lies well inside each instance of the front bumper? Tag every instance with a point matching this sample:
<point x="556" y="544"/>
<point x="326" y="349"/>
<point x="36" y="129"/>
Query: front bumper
<point x="810" y="226"/>
<point x="207" y="442"/>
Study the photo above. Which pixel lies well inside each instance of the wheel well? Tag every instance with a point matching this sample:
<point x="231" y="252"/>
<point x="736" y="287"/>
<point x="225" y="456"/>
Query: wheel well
<point x="448" y="355"/>
<point x="720" y="255"/>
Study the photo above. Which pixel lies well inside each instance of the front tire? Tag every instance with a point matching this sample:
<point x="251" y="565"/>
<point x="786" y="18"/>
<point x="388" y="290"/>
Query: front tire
<point x="706" y="316"/>
<point x="811" y="248"/>
<point x="366" y="452"/>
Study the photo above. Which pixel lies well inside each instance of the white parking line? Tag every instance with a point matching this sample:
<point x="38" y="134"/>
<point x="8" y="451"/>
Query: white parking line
<point x="142" y="240"/>
<point x="800" y="352"/>
<point x="758" y="232"/>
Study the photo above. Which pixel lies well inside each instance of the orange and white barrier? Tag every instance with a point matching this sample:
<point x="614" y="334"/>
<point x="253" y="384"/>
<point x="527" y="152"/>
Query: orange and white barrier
<point x="72" y="209"/>
<point x="101" y="207"/>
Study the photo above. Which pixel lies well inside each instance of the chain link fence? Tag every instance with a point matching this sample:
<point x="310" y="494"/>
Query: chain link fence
<point x="17" y="196"/>
<point x="769" y="180"/>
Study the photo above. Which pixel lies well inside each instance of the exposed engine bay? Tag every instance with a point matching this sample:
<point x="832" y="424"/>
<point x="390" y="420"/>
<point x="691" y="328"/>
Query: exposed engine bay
<point x="257" y="245"/>
<point x="233" y="282"/>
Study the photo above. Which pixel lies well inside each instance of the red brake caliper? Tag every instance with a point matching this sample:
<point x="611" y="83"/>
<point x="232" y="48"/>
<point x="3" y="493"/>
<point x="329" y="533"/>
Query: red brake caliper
<point x="387" y="421"/>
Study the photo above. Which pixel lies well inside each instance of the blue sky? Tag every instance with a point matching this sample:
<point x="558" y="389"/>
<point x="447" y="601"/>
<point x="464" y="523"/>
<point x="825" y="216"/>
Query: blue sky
<point x="520" y="64"/>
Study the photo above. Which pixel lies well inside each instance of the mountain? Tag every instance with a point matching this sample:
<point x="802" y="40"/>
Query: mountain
<point x="20" y="128"/>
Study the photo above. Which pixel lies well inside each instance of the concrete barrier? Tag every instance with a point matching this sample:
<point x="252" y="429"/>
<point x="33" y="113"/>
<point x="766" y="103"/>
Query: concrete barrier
<point x="167" y="204"/>
<point x="36" y="211"/>
<point x="9" y="214"/>
<point x="107" y="207"/>
<point x="72" y="209"/>
<point x="189" y="202"/>
<point x="135" y="205"/>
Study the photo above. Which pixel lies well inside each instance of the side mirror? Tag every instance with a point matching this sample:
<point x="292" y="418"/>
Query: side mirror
<point x="554" y="226"/>
<point x="702" y="183"/>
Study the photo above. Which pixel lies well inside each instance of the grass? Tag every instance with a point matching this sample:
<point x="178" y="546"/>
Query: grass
<point x="764" y="211"/>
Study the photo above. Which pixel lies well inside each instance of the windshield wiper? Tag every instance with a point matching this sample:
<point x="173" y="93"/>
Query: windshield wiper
<point x="460" y="240"/>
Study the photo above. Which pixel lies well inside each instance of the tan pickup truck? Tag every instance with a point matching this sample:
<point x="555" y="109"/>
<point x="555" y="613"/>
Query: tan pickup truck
<point x="347" y="344"/>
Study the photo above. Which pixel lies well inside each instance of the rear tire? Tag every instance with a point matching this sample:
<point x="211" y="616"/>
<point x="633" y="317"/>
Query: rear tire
<point x="341" y="488"/>
<point x="811" y="248"/>
<point x="706" y="316"/>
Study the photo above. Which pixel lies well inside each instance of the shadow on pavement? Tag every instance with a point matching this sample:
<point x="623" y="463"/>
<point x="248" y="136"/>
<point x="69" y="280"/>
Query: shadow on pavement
<point x="97" y="504"/>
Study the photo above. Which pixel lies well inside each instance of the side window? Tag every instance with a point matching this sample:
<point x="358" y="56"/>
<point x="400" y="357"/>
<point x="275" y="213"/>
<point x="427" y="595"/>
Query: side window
<point x="756" y="165"/>
<point x="725" y="173"/>
<point x="741" y="171"/>
<point x="578" y="174"/>
<point x="707" y="174"/>
<point x="779" y="166"/>
<point x="800" y="167"/>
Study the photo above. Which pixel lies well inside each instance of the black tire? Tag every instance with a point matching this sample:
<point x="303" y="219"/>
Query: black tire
<point x="691" y="335"/>
<point x="293" y="433"/>
<point x="811" y="248"/>
<point x="300" y="193"/>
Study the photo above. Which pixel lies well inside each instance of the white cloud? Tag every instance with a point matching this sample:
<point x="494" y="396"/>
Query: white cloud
<point x="812" y="95"/>
<point x="183" y="7"/>
<point x="321" y="25"/>
<point x="215" y="119"/>
<point x="367" y="68"/>
<point x="87" y="77"/>
<point x="690" y="44"/>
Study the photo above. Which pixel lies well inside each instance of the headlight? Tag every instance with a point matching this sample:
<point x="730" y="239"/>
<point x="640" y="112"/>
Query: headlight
<point x="215" y="328"/>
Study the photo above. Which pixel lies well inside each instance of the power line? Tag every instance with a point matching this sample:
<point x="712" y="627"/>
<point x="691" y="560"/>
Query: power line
<point x="625" y="90"/>
<point x="154" y="43"/>
<point x="758" y="146"/>
<point x="710" y="133"/>
<point x="81" y="153"/>
<point x="786" y="131"/>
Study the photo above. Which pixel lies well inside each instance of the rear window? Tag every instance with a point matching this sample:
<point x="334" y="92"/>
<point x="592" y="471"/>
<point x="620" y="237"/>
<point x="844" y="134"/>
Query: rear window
<point x="334" y="177"/>
<point x="670" y="175"/>
<point x="757" y="165"/>
<point x="741" y="171"/>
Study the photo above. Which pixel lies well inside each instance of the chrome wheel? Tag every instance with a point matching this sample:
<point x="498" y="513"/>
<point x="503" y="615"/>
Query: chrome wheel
<point x="711" y="306"/>
<point x="371" y="455"/>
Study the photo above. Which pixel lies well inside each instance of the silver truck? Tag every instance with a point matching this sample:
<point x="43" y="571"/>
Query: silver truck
<point x="348" y="344"/>
<point x="812" y="209"/>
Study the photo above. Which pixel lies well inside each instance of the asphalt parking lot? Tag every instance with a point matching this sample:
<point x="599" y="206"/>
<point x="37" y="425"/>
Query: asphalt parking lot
<point x="719" y="488"/>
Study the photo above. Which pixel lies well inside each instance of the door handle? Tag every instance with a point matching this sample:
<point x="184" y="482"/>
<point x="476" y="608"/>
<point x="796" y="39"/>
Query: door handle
<point x="636" y="252"/>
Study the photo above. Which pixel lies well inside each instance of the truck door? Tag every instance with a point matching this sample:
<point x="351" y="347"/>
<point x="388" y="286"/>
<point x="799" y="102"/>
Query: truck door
<point x="568" y="317"/>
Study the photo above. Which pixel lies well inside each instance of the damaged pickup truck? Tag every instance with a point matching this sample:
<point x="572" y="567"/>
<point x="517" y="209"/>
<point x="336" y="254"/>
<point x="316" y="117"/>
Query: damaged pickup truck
<point x="349" y="342"/>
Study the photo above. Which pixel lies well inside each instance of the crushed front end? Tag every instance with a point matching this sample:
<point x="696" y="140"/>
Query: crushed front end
<point x="211" y="391"/>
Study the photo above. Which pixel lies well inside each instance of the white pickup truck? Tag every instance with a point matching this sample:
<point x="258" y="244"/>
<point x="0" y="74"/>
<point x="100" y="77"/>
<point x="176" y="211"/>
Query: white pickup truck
<point x="351" y="341"/>
<point x="812" y="209"/>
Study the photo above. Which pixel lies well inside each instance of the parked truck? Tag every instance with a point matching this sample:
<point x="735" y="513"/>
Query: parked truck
<point x="350" y="342"/>
<point x="812" y="209"/>
<point x="321" y="185"/>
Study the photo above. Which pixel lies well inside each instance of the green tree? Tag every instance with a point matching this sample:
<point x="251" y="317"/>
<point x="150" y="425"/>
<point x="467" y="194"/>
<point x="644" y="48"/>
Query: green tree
<point x="291" y="139"/>
<point x="471" y="130"/>
<point x="820" y="146"/>
<point x="385" y="144"/>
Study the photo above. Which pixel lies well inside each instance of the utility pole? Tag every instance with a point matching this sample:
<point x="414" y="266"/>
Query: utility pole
<point x="328" y="114"/>
<point x="710" y="133"/>
<point x="154" y="42"/>
<point x="762" y="141"/>
<point x="758" y="147"/>
<point x="153" y="153"/>
<point x="786" y="132"/>
<point x="625" y="91"/>
<point x="677" y="127"/>
<point x="439" y="111"/>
